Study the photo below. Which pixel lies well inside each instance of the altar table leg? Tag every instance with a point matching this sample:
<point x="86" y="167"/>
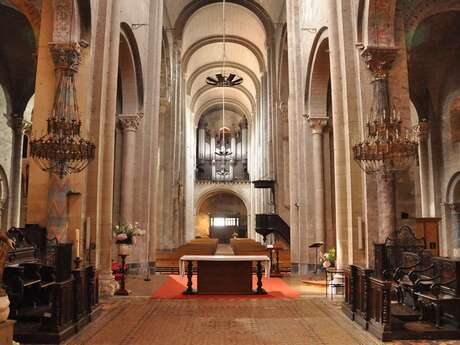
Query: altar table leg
<point x="260" y="290"/>
<point x="189" y="289"/>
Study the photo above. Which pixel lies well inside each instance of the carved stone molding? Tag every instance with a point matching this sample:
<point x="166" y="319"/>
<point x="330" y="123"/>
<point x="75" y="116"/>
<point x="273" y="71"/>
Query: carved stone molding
<point x="130" y="122"/>
<point x="18" y="124"/>
<point x="454" y="207"/>
<point x="423" y="130"/>
<point x="379" y="60"/>
<point x="66" y="56"/>
<point x="317" y="124"/>
<point x="63" y="12"/>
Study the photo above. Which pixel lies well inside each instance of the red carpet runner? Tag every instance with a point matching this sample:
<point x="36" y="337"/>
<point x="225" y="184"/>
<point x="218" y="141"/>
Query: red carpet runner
<point x="175" y="285"/>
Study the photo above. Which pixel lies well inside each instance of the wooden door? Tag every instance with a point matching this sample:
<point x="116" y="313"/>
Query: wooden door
<point x="428" y="228"/>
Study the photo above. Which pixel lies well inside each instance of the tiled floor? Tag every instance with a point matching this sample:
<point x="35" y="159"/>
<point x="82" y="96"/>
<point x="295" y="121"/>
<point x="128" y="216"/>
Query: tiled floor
<point x="140" y="320"/>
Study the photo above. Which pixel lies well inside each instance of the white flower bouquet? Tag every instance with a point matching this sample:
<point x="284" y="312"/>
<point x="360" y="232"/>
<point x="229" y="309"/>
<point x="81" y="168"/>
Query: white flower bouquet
<point x="125" y="233"/>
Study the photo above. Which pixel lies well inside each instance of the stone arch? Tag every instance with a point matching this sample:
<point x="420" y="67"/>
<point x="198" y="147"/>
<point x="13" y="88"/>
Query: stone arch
<point x="421" y="10"/>
<point x="453" y="212"/>
<point x="229" y="39"/>
<point x="221" y="204"/>
<point x="253" y="6"/>
<point x="206" y="88"/>
<point x="318" y="76"/>
<point x="231" y="104"/>
<point x="361" y="20"/>
<point x="4" y="197"/>
<point x="130" y="72"/>
<point x="217" y="64"/>
<point x="218" y="190"/>
<point x="283" y="197"/>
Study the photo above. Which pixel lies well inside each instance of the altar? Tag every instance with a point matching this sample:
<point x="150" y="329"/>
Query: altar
<point x="225" y="274"/>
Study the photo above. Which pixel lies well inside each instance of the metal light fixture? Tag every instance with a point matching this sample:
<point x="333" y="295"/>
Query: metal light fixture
<point x="223" y="80"/>
<point x="387" y="145"/>
<point x="62" y="151"/>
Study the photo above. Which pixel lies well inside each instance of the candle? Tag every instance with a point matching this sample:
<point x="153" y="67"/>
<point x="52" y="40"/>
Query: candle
<point x="88" y="233"/>
<point x="77" y="243"/>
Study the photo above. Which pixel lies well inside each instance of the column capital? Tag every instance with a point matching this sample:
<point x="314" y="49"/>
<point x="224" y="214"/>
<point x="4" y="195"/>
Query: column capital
<point x="423" y="130"/>
<point x="18" y="124"/>
<point x="454" y="207"/>
<point x="317" y="124"/>
<point x="66" y="56"/>
<point x="130" y="122"/>
<point x="379" y="60"/>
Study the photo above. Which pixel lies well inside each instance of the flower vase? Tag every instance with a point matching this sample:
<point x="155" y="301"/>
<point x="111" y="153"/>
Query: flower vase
<point x="124" y="249"/>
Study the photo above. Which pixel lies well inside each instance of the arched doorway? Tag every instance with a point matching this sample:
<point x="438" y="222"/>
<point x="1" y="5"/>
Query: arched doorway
<point x="222" y="215"/>
<point x="453" y="214"/>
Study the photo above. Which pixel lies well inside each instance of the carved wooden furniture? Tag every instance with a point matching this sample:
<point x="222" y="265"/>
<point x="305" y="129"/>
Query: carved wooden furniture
<point x="49" y="300"/>
<point x="369" y="302"/>
<point x="443" y="297"/>
<point x="220" y="274"/>
<point x="273" y="223"/>
<point x="416" y="275"/>
<point x="390" y="255"/>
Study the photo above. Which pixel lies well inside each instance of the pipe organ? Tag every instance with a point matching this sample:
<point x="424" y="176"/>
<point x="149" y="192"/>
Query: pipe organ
<point x="222" y="157"/>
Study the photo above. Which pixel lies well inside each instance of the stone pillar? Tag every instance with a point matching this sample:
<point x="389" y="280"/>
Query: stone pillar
<point x="424" y="168"/>
<point x="379" y="62"/>
<point x="129" y="124"/>
<point x="455" y="228"/>
<point x="107" y="284"/>
<point x="18" y="126"/>
<point x="317" y="125"/>
<point x="386" y="205"/>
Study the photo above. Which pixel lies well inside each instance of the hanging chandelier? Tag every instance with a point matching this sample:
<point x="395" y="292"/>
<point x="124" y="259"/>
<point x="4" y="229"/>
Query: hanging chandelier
<point x="222" y="80"/>
<point x="387" y="145"/>
<point x="62" y="151"/>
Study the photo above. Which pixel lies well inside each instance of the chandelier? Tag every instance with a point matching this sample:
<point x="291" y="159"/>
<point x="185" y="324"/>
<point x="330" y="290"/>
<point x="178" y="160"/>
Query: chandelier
<point x="62" y="151"/>
<point x="387" y="145"/>
<point x="223" y="80"/>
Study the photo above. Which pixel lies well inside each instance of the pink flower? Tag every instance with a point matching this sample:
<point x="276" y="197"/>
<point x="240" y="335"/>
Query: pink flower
<point x="122" y="237"/>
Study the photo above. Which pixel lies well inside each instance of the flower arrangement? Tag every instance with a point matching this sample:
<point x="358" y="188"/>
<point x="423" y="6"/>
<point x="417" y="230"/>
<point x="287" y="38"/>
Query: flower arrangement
<point x="124" y="233"/>
<point x="328" y="258"/>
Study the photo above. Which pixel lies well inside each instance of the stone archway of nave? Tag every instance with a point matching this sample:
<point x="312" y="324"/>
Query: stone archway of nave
<point x="221" y="215"/>
<point x="453" y="214"/>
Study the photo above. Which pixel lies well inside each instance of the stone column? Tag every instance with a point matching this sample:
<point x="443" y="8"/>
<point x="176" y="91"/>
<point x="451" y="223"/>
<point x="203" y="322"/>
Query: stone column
<point x="107" y="284"/>
<point x="129" y="124"/>
<point x="424" y="168"/>
<point x="317" y="125"/>
<point x="379" y="62"/>
<point x="455" y="227"/>
<point x="18" y="126"/>
<point x="386" y="205"/>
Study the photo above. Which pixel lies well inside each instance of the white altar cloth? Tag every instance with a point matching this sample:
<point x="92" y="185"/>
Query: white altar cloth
<point x="265" y="260"/>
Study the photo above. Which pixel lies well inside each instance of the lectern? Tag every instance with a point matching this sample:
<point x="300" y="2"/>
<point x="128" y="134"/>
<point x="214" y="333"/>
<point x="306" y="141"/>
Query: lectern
<point x="316" y="245"/>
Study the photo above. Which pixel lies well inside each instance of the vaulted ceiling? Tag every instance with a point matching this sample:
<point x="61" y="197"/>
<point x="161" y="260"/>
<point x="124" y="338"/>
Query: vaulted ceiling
<point x="247" y="28"/>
